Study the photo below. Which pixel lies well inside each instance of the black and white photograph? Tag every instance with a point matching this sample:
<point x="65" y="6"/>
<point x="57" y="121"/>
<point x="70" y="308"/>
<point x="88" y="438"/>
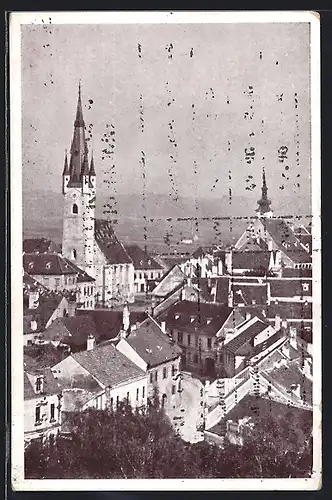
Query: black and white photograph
<point x="165" y="250"/>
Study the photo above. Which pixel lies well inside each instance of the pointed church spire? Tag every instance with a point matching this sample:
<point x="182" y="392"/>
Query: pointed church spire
<point x="264" y="203"/>
<point x="65" y="168"/>
<point x="92" y="166"/>
<point x="79" y="148"/>
<point x="85" y="164"/>
<point x="79" y="122"/>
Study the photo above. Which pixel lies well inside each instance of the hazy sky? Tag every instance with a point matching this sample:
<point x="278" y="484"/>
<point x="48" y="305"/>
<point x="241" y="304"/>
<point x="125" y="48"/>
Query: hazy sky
<point x="227" y="88"/>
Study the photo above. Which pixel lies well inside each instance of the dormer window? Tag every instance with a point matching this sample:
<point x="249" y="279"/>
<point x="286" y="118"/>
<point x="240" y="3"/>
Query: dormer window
<point x="208" y="321"/>
<point x="177" y="316"/>
<point x="192" y="319"/>
<point x="75" y="209"/>
<point x="305" y="287"/>
<point x="39" y="384"/>
<point x="48" y="265"/>
<point x="30" y="266"/>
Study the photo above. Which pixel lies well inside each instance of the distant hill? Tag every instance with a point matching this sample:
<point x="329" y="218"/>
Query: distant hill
<point x="43" y="216"/>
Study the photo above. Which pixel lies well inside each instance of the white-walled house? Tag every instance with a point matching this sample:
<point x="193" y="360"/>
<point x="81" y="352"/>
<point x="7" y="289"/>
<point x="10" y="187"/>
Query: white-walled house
<point x="105" y="374"/>
<point x="153" y="351"/>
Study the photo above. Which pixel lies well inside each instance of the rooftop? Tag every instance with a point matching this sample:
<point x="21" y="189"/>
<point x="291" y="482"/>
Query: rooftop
<point x="40" y="245"/>
<point x="113" y="250"/>
<point x="109" y="366"/>
<point x="170" y="281"/>
<point x="200" y="317"/>
<point x="108" y="323"/>
<point x="73" y="331"/>
<point x="140" y="258"/>
<point x="249" y="333"/>
<point x="290" y="288"/>
<point x="47" y="264"/>
<point x="50" y="385"/>
<point x="258" y="259"/>
<point x="152" y="345"/>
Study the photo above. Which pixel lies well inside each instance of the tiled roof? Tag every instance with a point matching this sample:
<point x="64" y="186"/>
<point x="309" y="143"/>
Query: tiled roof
<point x="249" y="294"/>
<point x="47" y="304"/>
<point x="31" y="285"/>
<point x="289" y="310"/>
<point x="253" y="245"/>
<point x="188" y="316"/>
<point x="108" y="323"/>
<point x="170" y="281"/>
<point x="290" y="288"/>
<point x="289" y="272"/>
<point x="108" y="366"/>
<point x="50" y="385"/>
<point x="284" y="237"/>
<point x="40" y="245"/>
<point x="249" y="333"/>
<point x="206" y="286"/>
<point x="140" y="258"/>
<point x="82" y="276"/>
<point x="46" y="263"/>
<point x="73" y="331"/>
<point x="286" y="375"/>
<point x="251" y="259"/>
<point x="152" y="345"/>
<point x="109" y="244"/>
<point x="203" y="251"/>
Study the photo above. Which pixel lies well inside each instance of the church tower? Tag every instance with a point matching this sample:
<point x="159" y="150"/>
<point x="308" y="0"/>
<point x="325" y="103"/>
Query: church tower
<point x="79" y="191"/>
<point x="264" y="203"/>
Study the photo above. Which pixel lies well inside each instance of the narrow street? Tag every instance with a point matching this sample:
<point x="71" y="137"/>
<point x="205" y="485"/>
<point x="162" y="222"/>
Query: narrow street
<point x="186" y="416"/>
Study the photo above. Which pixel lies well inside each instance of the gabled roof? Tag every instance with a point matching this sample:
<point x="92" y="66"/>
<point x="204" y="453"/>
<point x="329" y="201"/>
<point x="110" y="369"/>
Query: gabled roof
<point x="108" y="366"/>
<point x="290" y="288"/>
<point x="152" y="345"/>
<point x="72" y="330"/>
<point x="40" y="245"/>
<point x="194" y="317"/>
<point x="47" y="304"/>
<point x="32" y="285"/>
<point x="171" y="280"/>
<point x="249" y="333"/>
<point x="82" y="276"/>
<point x="251" y="259"/>
<point x="50" y="385"/>
<point x="140" y="258"/>
<point x="108" y="323"/>
<point x="285" y="239"/>
<point x="47" y="263"/>
<point x="109" y="244"/>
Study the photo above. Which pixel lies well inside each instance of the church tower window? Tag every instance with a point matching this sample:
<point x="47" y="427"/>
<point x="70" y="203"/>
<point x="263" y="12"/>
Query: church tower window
<point x="74" y="253"/>
<point x="75" y="209"/>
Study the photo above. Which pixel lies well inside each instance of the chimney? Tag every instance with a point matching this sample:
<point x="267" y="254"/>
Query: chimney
<point x="277" y="322"/>
<point x="33" y="300"/>
<point x="163" y="326"/>
<point x="90" y="344"/>
<point x="293" y="337"/>
<point x="126" y="317"/>
<point x="248" y="315"/>
<point x="228" y="261"/>
<point x="220" y="267"/>
<point x="307" y="367"/>
<point x="284" y="324"/>
<point x="214" y="292"/>
<point x="188" y="281"/>
<point x="230" y="298"/>
<point x="270" y="245"/>
<point x="33" y="325"/>
<point x="296" y="390"/>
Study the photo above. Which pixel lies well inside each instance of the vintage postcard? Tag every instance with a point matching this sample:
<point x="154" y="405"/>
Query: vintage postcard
<point x="166" y="250"/>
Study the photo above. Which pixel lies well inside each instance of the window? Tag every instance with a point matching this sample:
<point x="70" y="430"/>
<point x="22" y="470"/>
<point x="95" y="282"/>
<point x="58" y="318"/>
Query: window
<point x="37" y="415"/>
<point x="137" y="394"/>
<point x="74" y="253"/>
<point x="75" y="209"/>
<point x="143" y="392"/>
<point x="127" y="397"/>
<point x="209" y="342"/>
<point x="46" y="281"/>
<point x="57" y="282"/>
<point x="305" y="287"/>
<point x="188" y="339"/>
<point x="173" y="370"/>
<point x="39" y="384"/>
<point x="180" y="337"/>
<point x="52" y="412"/>
<point x="117" y="401"/>
<point x="195" y="358"/>
<point x="164" y="372"/>
<point x="173" y="389"/>
<point x="196" y="342"/>
<point x="151" y="380"/>
<point x="111" y="403"/>
<point x="156" y="376"/>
